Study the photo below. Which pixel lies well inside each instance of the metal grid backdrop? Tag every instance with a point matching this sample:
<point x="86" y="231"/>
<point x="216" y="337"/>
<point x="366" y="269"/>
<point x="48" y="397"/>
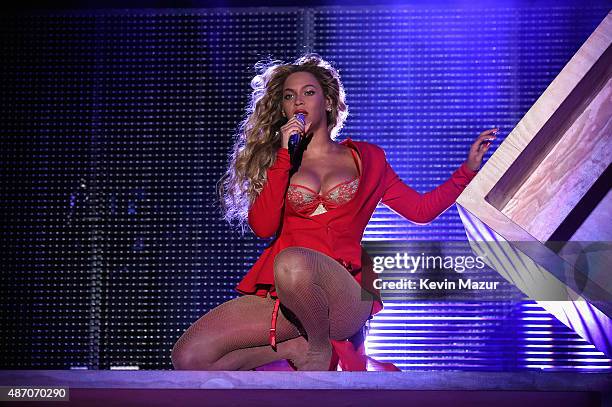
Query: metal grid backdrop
<point x="117" y="124"/>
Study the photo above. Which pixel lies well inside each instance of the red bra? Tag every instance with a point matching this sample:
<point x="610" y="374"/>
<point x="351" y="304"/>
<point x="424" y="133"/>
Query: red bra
<point x="307" y="201"/>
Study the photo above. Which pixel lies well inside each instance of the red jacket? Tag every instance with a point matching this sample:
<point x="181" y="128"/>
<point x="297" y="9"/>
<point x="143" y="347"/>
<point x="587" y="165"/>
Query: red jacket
<point x="338" y="232"/>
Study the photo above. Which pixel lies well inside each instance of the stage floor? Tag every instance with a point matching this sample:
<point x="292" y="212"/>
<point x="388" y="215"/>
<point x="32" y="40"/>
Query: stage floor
<point x="379" y="389"/>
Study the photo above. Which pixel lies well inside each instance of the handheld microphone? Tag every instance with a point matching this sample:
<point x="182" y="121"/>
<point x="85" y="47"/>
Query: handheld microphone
<point x="295" y="138"/>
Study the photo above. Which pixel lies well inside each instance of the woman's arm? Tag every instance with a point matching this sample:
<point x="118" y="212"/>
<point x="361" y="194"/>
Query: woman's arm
<point x="265" y="212"/>
<point x="423" y="208"/>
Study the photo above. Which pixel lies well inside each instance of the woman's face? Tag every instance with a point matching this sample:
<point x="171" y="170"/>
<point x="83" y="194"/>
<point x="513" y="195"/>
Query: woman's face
<point x="302" y="92"/>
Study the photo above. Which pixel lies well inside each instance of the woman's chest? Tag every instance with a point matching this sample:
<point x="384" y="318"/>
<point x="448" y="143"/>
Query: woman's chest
<point x="323" y="175"/>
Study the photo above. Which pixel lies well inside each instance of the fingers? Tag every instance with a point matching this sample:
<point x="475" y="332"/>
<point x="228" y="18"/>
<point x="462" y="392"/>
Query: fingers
<point x="493" y="130"/>
<point x="293" y="122"/>
<point x="293" y="126"/>
<point x="484" y="140"/>
<point x="483" y="148"/>
<point x="488" y="134"/>
<point x="293" y="129"/>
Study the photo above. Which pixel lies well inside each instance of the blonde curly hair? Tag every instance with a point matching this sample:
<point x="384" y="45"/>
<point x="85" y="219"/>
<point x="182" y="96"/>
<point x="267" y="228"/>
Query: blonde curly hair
<point x="257" y="139"/>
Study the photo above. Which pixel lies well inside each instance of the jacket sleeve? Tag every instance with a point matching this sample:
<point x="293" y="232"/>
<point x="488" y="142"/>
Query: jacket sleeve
<point x="424" y="208"/>
<point x="265" y="212"/>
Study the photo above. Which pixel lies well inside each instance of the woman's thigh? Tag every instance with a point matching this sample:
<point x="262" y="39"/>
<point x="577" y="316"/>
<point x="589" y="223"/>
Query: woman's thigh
<point x="349" y="305"/>
<point x="242" y="322"/>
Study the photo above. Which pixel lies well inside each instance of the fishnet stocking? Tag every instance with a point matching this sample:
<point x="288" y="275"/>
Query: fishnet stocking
<point x="324" y="297"/>
<point x="234" y="336"/>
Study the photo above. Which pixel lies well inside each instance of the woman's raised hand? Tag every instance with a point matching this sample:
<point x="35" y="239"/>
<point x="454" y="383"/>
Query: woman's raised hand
<point x="480" y="147"/>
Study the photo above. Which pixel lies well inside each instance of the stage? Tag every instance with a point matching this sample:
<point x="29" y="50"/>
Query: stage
<point x="414" y="388"/>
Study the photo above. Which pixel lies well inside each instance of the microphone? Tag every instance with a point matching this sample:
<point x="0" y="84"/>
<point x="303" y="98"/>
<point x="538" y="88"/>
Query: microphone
<point x="295" y="138"/>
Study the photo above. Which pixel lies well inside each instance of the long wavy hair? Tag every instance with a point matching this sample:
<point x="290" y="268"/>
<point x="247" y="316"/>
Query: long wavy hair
<point x="257" y="139"/>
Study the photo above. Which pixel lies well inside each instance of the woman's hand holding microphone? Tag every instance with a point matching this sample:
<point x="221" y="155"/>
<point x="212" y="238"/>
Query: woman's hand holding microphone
<point x="293" y="126"/>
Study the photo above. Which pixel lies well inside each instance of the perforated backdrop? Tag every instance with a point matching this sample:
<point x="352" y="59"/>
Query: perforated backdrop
<point x="116" y="126"/>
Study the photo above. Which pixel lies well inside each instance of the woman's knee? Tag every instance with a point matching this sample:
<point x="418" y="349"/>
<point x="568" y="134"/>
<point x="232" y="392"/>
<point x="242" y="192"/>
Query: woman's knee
<point x="292" y="265"/>
<point x="229" y="326"/>
<point x="182" y="358"/>
<point x="195" y="350"/>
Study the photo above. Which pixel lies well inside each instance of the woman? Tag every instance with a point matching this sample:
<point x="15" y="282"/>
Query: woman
<point x="302" y="299"/>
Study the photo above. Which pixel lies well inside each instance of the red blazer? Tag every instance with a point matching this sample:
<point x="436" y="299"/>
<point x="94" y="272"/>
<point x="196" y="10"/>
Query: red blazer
<point x="338" y="232"/>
